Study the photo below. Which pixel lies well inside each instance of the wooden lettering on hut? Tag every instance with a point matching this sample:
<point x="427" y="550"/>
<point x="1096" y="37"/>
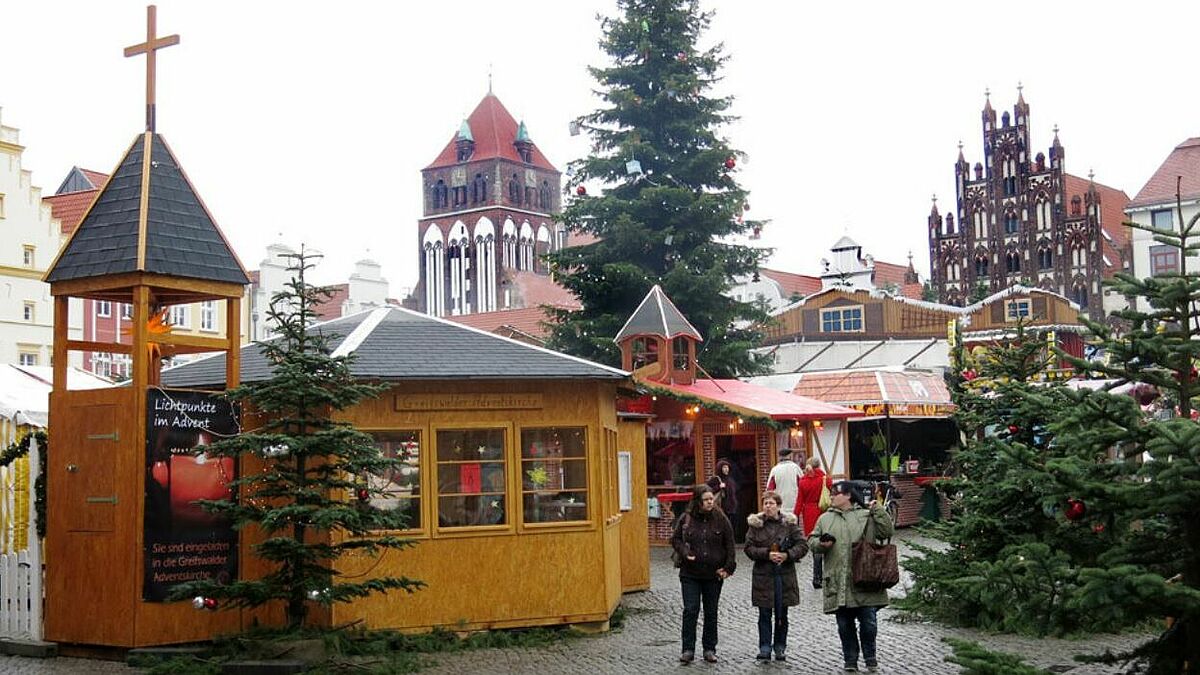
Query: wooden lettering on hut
<point x="436" y="402"/>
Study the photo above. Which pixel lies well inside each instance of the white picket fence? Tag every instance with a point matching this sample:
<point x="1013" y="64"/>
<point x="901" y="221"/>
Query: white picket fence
<point x="20" y="547"/>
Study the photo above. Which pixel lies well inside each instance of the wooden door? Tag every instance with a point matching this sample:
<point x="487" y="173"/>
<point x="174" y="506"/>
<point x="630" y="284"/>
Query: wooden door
<point x="90" y="560"/>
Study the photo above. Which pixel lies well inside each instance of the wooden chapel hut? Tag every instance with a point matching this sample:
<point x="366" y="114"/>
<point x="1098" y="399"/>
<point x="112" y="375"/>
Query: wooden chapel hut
<point x="520" y="482"/>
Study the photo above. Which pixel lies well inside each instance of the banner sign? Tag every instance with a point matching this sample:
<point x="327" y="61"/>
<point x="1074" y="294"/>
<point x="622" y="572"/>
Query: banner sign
<point x="183" y="542"/>
<point x="905" y="409"/>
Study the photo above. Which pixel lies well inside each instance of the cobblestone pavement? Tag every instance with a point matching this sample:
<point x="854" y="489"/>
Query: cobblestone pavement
<point x="649" y="641"/>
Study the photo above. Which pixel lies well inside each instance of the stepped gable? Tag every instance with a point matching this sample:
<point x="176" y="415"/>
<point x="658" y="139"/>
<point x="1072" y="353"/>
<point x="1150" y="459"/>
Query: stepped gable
<point x="148" y="218"/>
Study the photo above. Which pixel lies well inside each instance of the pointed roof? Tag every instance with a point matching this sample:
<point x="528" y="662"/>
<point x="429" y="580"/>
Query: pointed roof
<point x="1183" y="161"/>
<point x="392" y="343"/>
<point x="464" y="132"/>
<point x="148" y="218"/>
<point x="658" y="316"/>
<point x="844" y="243"/>
<point x="494" y="131"/>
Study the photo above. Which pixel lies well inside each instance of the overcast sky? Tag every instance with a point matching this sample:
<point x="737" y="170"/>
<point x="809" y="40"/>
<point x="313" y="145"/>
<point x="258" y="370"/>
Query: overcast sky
<point x="306" y="122"/>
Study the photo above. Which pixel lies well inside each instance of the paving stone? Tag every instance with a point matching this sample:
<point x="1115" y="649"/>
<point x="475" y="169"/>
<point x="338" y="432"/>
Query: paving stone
<point x="649" y="640"/>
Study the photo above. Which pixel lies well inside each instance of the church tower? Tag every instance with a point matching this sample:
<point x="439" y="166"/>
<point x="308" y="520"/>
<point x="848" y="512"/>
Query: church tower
<point x="489" y="200"/>
<point x="1022" y="219"/>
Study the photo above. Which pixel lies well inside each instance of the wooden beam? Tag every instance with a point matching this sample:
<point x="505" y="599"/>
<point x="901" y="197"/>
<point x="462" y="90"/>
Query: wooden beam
<point x="140" y="377"/>
<point x="90" y="346"/>
<point x="233" y="338"/>
<point x="61" y="319"/>
<point x="195" y="289"/>
<point x="206" y="344"/>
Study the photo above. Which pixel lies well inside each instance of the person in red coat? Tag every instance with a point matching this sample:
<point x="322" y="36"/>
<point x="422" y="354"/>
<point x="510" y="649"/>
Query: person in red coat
<point x="808" y="508"/>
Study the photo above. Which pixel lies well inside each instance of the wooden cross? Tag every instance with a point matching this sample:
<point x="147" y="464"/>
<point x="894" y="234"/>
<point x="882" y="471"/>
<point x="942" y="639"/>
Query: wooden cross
<point x="149" y="47"/>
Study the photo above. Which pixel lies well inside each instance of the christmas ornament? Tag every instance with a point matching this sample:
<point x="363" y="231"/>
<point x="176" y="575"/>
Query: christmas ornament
<point x="363" y="494"/>
<point x="1098" y="528"/>
<point x="201" y="602"/>
<point x="210" y="603"/>
<point x="1075" y="509"/>
<point x="581" y="191"/>
<point x="730" y="162"/>
<point x="681" y="57"/>
<point x="1013" y="429"/>
<point x="969" y="375"/>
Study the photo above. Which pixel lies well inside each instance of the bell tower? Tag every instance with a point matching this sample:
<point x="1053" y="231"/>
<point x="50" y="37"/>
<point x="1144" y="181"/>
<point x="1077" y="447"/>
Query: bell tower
<point x="146" y="241"/>
<point x="657" y="343"/>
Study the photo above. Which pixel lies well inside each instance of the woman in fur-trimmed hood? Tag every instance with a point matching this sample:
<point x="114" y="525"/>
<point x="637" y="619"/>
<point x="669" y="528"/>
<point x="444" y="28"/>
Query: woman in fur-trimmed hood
<point x="774" y="541"/>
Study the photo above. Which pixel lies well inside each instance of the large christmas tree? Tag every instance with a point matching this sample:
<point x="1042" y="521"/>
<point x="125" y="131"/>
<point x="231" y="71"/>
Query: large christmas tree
<point x="307" y="488"/>
<point x="670" y="207"/>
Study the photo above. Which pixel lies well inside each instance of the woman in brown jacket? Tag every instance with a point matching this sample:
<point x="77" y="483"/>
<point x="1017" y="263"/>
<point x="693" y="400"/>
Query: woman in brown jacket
<point x="774" y="541"/>
<point x="706" y="555"/>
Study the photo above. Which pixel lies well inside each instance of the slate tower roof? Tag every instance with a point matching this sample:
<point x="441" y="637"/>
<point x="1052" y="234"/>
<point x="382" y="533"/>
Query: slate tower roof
<point x="148" y="219"/>
<point x="657" y="315"/>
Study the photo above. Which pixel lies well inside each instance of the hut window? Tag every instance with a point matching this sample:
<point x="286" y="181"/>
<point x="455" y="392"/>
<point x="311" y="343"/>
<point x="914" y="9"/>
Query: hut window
<point x="1017" y="310"/>
<point x="645" y="352"/>
<point x="554" y="471"/>
<point x="679" y="347"/>
<point x="842" y="320"/>
<point x="103" y="308"/>
<point x="471" y="477"/>
<point x="401" y="484"/>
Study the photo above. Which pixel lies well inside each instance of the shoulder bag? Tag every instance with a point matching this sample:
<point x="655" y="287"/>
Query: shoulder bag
<point x="874" y="567"/>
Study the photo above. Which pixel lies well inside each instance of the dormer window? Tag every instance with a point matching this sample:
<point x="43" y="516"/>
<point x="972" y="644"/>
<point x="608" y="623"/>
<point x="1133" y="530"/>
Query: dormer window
<point x="526" y="154"/>
<point x="464" y="153"/>
<point x="645" y="352"/>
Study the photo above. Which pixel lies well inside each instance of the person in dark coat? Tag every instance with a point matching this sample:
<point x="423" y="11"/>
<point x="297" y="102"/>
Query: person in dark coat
<point x="774" y="541"/>
<point x="703" y="543"/>
<point x="729" y="500"/>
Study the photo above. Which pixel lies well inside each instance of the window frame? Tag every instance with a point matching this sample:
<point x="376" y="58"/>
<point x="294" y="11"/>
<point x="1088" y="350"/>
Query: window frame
<point x="179" y="312"/>
<point x="842" y="319"/>
<point x="1160" y="251"/>
<point x="208" y="315"/>
<point x="103" y="308"/>
<point x="24" y="356"/>
<point x="29" y="255"/>
<point x="422" y="484"/>
<point x="29" y="311"/>
<point x="591" y="494"/>
<point x="1169" y="213"/>
<point x="435" y="493"/>
<point x="1013" y="309"/>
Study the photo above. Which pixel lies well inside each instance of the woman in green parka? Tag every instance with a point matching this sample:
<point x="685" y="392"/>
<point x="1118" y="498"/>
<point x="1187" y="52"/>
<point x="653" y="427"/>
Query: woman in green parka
<point x="836" y="531"/>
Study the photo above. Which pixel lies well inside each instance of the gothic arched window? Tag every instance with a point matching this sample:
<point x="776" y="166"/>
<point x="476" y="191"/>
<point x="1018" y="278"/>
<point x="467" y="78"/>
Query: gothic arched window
<point x="479" y="189"/>
<point x="514" y="190"/>
<point x="441" y="197"/>
<point x="1011" y="224"/>
<point x="1045" y="258"/>
<point x="1012" y="263"/>
<point x="981" y="266"/>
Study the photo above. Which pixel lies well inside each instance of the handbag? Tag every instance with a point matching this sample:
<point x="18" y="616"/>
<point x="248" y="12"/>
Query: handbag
<point x="826" y="499"/>
<point x="874" y="567"/>
<point x="676" y="558"/>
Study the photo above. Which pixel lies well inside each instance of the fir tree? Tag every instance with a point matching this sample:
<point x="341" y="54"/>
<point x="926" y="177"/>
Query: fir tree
<point x="1149" y="492"/>
<point x="671" y="205"/>
<point x="305" y="476"/>
<point x="1013" y="556"/>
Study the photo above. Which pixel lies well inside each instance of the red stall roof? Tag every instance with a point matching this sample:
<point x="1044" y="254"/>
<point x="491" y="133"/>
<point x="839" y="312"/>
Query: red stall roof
<point x="880" y="392"/>
<point x="757" y="401"/>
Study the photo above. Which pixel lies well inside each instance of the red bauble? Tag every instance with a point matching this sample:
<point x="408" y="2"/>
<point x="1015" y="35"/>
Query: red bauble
<point x="969" y="375"/>
<point x="1098" y="528"/>
<point x="581" y="191"/>
<point x="363" y="495"/>
<point x="730" y="163"/>
<point x="210" y="603"/>
<point x="1012" y="429"/>
<point x="1075" y="509"/>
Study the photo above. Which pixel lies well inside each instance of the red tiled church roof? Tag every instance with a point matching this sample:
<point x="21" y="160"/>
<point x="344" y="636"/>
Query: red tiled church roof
<point x="527" y="320"/>
<point x="534" y="290"/>
<point x="332" y="308"/>
<point x="494" y="131"/>
<point x="1113" y="203"/>
<point x="1183" y="161"/>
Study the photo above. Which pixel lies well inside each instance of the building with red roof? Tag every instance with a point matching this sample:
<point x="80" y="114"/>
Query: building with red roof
<point x="1155" y="205"/>
<point x="1021" y="218"/>
<point x="489" y="202"/>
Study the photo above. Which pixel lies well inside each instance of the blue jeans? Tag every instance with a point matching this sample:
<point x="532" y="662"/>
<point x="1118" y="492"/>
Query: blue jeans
<point x="867" y="628"/>
<point x="776" y="619"/>
<point x="695" y="591"/>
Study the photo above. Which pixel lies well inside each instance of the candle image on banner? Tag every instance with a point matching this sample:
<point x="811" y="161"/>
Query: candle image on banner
<point x="183" y="542"/>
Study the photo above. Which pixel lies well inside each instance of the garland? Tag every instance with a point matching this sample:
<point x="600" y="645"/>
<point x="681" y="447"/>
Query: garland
<point x="21" y="449"/>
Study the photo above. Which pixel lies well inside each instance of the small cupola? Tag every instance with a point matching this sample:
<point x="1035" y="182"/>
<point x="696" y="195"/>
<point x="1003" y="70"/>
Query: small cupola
<point x="657" y="343"/>
<point x="523" y="143"/>
<point x="464" y="142"/>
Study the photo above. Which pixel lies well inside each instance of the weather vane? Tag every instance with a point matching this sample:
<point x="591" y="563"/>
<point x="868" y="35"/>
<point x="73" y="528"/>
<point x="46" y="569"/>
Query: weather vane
<point x="149" y="47"/>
